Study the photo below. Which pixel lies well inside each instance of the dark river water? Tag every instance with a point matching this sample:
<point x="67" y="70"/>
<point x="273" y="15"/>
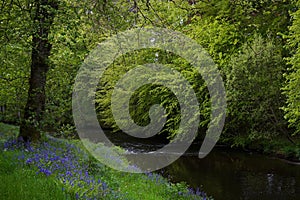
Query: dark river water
<point x="230" y="174"/>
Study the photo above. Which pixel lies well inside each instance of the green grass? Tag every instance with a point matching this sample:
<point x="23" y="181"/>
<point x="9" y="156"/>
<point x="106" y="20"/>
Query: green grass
<point x="144" y="186"/>
<point x="23" y="183"/>
<point x="137" y="186"/>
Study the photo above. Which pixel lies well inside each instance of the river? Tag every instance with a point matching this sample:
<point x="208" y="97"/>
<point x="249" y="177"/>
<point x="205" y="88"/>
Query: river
<point x="229" y="174"/>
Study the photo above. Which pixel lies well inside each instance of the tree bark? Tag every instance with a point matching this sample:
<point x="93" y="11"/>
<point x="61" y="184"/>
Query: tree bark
<point x="41" y="47"/>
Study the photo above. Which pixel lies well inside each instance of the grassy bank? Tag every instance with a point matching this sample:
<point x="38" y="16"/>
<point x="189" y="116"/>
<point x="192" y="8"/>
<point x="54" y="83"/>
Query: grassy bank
<point x="61" y="169"/>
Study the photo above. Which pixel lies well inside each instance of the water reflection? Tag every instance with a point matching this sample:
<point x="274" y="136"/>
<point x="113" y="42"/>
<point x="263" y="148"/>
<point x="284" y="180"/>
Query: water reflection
<point x="227" y="174"/>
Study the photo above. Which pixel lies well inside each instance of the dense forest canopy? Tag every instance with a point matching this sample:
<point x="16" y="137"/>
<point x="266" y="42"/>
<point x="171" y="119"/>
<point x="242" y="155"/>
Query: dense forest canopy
<point x="254" y="43"/>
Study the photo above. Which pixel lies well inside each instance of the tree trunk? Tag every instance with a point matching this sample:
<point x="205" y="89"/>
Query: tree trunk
<point x="41" y="47"/>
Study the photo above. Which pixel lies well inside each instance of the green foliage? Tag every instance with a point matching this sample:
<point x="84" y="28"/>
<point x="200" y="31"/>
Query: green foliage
<point x="291" y="152"/>
<point x="220" y="38"/>
<point x="220" y="26"/>
<point x="76" y="30"/>
<point x="264" y="16"/>
<point x="292" y="84"/>
<point x="151" y="94"/>
<point x="15" y="51"/>
<point x="72" y="36"/>
<point x="254" y="80"/>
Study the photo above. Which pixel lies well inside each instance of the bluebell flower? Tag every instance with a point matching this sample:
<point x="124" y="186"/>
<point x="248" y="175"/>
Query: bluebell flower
<point x="29" y="161"/>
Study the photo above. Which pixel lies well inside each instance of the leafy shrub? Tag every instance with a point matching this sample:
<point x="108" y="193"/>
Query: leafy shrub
<point x="253" y="84"/>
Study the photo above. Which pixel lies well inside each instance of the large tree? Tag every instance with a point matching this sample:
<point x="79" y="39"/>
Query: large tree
<point x="44" y="13"/>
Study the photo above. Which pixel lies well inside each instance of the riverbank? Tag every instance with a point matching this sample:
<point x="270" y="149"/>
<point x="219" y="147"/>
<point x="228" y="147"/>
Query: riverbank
<point x="278" y="147"/>
<point x="65" y="170"/>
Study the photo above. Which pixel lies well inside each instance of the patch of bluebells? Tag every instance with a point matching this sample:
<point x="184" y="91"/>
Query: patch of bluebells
<point x="14" y="144"/>
<point x="155" y="177"/>
<point x="198" y="192"/>
<point x="65" y="161"/>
